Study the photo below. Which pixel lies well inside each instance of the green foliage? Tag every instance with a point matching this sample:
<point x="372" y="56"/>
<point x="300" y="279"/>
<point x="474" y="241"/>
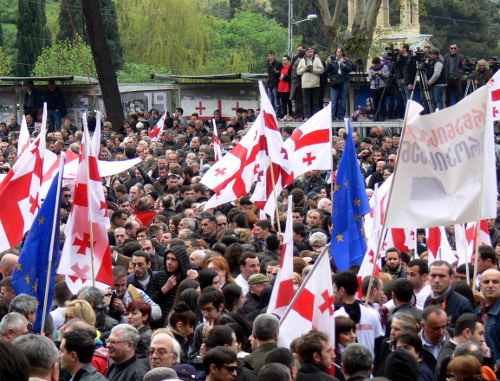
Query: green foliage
<point x="475" y="35"/>
<point x="71" y="16"/>
<point x="32" y="34"/>
<point x="137" y="73"/>
<point x="65" y="58"/>
<point x="5" y="63"/>
<point x="71" y="11"/>
<point x="241" y="44"/>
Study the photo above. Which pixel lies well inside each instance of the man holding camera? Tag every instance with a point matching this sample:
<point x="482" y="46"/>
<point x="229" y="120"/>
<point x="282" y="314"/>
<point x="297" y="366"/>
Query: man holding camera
<point x="454" y="71"/>
<point x="310" y="68"/>
<point x="406" y="69"/>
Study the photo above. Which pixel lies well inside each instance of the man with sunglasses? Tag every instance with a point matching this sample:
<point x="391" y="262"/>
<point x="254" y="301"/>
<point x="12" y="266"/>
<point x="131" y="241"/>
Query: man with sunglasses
<point x="220" y="364"/>
<point x="454" y="71"/>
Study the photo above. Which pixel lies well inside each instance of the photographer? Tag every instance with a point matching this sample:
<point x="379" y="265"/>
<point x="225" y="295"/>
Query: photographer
<point x="406" y="66"/>
<point x="310" y="69"/>
<point x="378" y="80"/>
<point x="437" y="79"/>
<point x="482" y="74"/>
<point x="338" y="70"/>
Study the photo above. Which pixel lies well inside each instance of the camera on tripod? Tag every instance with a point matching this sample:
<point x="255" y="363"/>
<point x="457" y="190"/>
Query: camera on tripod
<point x="419" y="57"/>
<point x="469" y="65"/>
<point x="494" y="64"/>
<point x="392" y="53"/>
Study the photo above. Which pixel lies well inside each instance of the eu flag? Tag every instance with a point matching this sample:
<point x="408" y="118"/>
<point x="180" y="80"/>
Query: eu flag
<point x="350" y="204"/>
<point x="32" y="270"/>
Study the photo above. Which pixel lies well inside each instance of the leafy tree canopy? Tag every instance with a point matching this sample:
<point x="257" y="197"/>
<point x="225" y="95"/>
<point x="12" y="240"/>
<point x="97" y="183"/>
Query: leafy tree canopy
<point x="65" y="58"/>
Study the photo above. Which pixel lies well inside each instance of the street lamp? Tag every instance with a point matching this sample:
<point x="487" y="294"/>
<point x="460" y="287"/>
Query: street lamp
<point x="292" y="22"/>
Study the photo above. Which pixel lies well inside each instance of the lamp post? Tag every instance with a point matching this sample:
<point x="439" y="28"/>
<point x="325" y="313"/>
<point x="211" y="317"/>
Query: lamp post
<point x="292" y="22"/>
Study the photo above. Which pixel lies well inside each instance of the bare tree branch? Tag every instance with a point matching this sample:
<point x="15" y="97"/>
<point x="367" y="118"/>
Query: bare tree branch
<point x="336" y="16"/>
<point x="324" y="9"/>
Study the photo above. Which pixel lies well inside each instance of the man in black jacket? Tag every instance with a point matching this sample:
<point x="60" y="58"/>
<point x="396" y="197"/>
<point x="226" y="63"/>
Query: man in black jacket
<point x="77" y="349"/>
<point x="454" y="71"/>
<point x="163" y="286"/>
<point x="273" y="78"/>
<point x="56" y="105"/>
<point x="317" y="355"/>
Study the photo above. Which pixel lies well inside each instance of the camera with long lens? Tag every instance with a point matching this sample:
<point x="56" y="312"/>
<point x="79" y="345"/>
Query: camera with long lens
<point x="392" y="53"/>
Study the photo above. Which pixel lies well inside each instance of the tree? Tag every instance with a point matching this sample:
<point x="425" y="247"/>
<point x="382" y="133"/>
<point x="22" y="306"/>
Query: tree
<point x="471" y="27"/>
<point x="65" y="58"/>
<point x="5" y="63"/>
<point x="71" y="21"/>
<point x="32" y="34"/>
<point x="103" y="63"/>
<point x="358" y="40"/>
<point x="174" y="33"/>
<point x="234" y="6"/>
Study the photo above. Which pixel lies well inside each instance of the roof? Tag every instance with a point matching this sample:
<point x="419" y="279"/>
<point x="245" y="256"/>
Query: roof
<point x="224" y="76"/>
<point x="75" y="78"/>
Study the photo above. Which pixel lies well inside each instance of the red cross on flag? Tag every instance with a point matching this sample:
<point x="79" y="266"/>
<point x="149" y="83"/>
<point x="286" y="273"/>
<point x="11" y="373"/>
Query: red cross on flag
<point x="88" y="221"/>
<point x="465" y="238"/>
<point x="272" y="157"/>
<point x="438" y="246"/>
<point x="494" y="99"/>
<point x="310" y="145"/>
<point x="312" y="306"/>
<point x="282" y="293"/>
<point x="20" y="191"/>
<point x="158" y="128"/>
<point x="217" y="143"/>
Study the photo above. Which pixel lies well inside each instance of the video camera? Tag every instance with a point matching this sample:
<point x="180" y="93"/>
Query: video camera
<point x="392" y="53"/>
<point x="419" y="57"/>
<point x="469" y="65"/>
<point x="494" y="64"/>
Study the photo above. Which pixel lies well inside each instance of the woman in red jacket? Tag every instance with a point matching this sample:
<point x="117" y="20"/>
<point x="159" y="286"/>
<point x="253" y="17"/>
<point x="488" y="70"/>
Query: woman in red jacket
<point x="284" y="88"/>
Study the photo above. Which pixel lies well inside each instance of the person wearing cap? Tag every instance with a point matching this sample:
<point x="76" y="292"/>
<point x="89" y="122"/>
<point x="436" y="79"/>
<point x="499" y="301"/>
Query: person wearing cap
<point x="164" y="284"/>
<point x="310" y="68"/>
<point x="312" y="200"/>
<point x="256" y="284"/>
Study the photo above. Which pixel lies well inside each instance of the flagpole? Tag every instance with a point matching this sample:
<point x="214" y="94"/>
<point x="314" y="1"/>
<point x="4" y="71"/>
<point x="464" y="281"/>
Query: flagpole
<point x="330" y="135"/>
<point x="384" y="231"/>
<point x="52" y="240"/>
<point x="275" y="196"/>
<point x="304" y="282"/>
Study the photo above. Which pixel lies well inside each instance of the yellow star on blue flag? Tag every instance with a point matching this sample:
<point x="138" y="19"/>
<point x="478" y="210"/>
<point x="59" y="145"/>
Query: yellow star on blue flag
<point x="349" y="204"/>
<point x="30" y="274"/>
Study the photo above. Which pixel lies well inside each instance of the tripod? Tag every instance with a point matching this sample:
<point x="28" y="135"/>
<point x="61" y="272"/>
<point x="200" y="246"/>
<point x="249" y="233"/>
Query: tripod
<point x="421" y="80"/>
<point x="393" y="75"/>
<point x="471" y="86"/>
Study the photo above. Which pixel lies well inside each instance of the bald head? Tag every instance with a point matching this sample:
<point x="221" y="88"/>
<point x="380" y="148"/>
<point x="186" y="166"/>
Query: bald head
<point x="490" y="285"/>
<point x="8" y="263"/>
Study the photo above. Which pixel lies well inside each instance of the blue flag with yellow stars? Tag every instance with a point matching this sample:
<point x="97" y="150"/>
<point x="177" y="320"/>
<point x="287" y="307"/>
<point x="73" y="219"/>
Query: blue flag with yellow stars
<point x="350" y="204"/>
<point x="30" y="274"/>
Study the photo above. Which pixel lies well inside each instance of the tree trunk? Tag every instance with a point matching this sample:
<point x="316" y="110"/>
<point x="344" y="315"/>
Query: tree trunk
<point x="103" y="63"/>
<point x="358" y="41"/>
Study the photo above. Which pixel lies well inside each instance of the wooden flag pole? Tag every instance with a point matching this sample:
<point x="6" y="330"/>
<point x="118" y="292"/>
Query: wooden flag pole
<point x="275" y="196"/>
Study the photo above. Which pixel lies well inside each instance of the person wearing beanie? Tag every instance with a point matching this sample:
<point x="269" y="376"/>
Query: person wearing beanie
<point x="402" y="366"/>
<point x="163" y="286"/>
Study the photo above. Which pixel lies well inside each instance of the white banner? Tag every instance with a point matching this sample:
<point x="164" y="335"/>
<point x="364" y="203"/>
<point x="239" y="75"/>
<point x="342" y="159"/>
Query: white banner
<point x="444" y="159"/>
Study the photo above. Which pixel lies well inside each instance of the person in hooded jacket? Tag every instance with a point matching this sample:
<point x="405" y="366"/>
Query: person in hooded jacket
<point x="163" y="286"/>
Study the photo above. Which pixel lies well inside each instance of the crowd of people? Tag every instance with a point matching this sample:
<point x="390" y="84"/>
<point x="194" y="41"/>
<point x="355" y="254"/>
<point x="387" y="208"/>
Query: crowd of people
<point x="191" y="288"/>
<point x="307" y="77"/>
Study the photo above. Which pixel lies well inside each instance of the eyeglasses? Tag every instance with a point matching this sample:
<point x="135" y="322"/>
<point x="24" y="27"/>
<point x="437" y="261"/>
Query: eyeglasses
<point x="230" y="369"/>
<point x="453" y="48"/>
<point x="114" y="342"/>
<point x="67" y="195"/>
<point x="159" y="351"/>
